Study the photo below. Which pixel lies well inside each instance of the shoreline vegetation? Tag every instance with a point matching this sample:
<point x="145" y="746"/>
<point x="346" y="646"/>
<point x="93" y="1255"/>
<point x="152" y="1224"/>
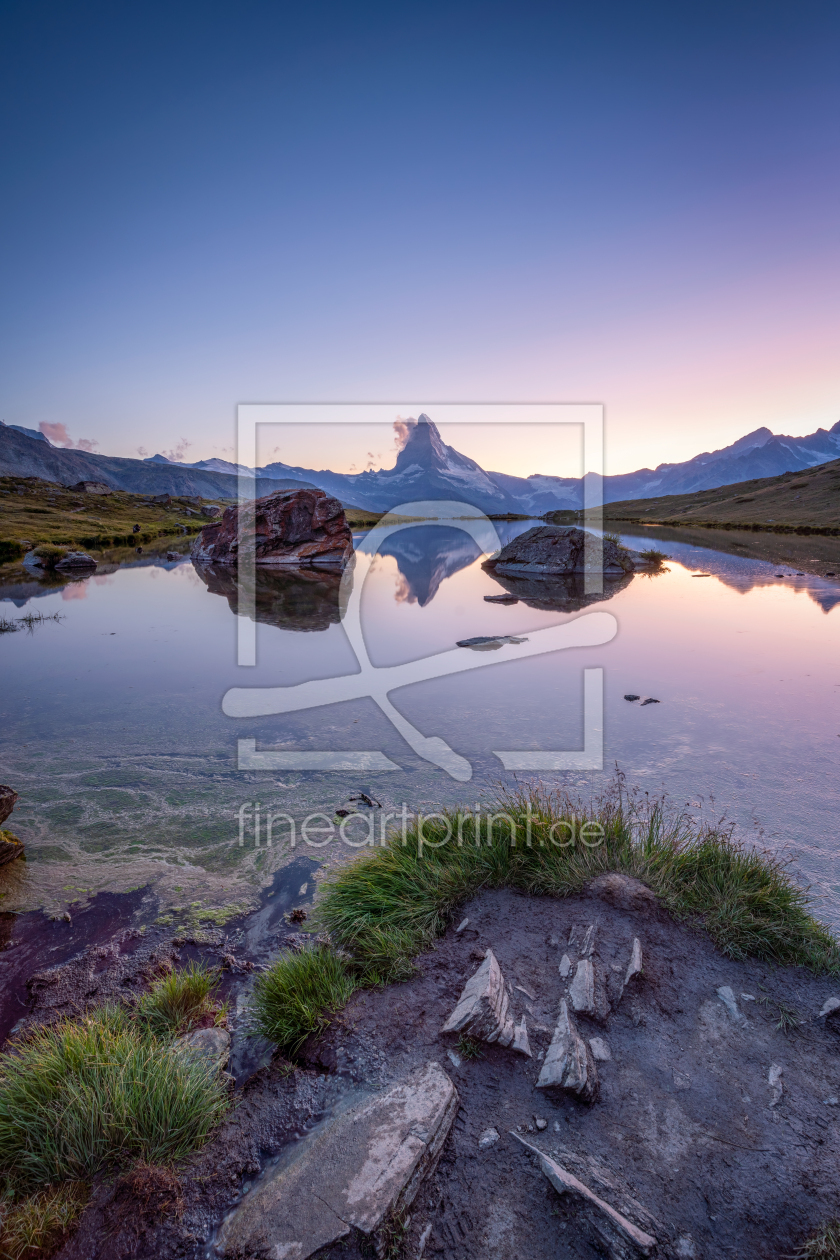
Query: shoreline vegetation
<point x="112" y="1092"/>
<point x="376" y="915"/>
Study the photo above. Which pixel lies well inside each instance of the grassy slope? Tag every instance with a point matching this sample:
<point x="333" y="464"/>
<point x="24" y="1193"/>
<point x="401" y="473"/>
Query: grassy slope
<point x="793" y="500"/>
<point x="50" y="514"/>
<point x="47" y="513"/>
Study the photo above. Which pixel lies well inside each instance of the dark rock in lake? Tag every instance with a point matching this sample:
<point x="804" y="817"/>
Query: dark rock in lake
<point x="300" y="600"/>
<point x="292" y="529"/>
<point x="489" y="642"/>
<point x="75" y="560"/>
<point x="8" y="796"/>
<point x="632" y="697"/>
<point x="553" y="550"/>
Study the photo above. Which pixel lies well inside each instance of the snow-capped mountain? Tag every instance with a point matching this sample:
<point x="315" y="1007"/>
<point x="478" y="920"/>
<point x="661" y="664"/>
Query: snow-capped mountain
<point x="426" y="469"/>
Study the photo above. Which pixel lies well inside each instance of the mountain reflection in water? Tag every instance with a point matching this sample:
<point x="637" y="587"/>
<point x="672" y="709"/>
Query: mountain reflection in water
<point x="425" y="556"/>
<point x="303" y="600"/>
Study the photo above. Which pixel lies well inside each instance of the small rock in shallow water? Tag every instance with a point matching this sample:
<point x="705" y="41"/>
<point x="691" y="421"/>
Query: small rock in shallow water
<point x="488" y="642"/>
<point x="631" y="697"/>
<point x="648" y="700"/>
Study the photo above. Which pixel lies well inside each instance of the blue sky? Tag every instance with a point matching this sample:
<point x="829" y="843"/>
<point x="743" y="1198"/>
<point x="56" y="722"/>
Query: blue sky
<point x="212" y="203"/>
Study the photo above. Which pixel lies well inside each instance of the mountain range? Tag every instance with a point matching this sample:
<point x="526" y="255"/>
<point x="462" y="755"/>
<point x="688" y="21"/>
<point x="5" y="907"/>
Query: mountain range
<point x="426" y="469"/>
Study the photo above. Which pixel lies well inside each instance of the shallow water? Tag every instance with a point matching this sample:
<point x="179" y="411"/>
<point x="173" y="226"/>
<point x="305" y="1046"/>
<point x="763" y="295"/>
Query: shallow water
<point x="115" y="736"/>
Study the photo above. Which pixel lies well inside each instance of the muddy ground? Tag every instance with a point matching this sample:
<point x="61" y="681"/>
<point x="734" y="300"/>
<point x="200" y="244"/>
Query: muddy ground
<point x="683" y="1125"/>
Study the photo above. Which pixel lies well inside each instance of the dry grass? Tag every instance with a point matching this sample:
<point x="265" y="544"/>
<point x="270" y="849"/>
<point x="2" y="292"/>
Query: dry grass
<point x="36" y="1226"/>
<point x="824" y="1244"/>
<point x="177" y="1001"/>
<point x="55" y="518"/>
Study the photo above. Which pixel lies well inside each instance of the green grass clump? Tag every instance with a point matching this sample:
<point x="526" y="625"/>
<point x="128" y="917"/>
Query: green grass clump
<point x="50" y="555"/>
<point x="298" y="995"/>
<point x="824" y="1244"/>
<point x="37" y="1225"/>
<point x="469" y="1048"/>
<point x="76" y="1098"/>
<point x="389" y="906"/>
<point x="178" y="1000"/>
<point x="745" y="899"/>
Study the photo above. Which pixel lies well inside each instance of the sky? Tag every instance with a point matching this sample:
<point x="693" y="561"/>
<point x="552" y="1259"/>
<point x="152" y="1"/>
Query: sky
<point x="216" y="203"/>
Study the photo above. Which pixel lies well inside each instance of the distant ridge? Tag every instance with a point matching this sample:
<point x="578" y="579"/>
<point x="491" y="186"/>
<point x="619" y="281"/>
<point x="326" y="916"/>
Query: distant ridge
<point x="426" y="469"/>
<point x="25" y="456"/>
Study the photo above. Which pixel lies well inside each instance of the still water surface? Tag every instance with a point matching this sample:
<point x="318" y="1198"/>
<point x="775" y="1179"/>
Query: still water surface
<point x="114" y="735"/>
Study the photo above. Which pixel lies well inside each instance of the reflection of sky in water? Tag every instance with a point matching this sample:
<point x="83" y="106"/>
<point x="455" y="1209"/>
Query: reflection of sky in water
<point x="113" y="731"/>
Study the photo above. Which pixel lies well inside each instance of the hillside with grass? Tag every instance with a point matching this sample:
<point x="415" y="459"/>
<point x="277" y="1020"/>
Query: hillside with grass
<point x="37" y="513"/>
<point x="798" y="502"/>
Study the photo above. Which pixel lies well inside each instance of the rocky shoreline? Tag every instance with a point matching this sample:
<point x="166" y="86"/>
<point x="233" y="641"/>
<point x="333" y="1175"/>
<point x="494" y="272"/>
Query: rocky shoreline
<point x="712" y="1131"/>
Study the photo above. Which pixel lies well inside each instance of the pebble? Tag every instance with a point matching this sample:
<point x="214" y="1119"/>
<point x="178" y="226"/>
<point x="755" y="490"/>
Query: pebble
<point x="461" y="926"/>
<point x="540" y="1123"/>
<point x="488" y="1138"/>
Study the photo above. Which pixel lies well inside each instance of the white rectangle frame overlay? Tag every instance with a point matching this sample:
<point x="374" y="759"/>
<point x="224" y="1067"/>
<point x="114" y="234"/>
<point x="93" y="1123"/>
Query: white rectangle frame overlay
<point x="590" y="416"/>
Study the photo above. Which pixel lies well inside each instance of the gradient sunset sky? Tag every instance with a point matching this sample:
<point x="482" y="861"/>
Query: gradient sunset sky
<point x="206" y="204"/>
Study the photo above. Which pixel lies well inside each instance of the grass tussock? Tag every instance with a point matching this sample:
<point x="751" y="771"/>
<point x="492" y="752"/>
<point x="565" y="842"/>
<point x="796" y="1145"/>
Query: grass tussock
<point x="745" y="899"/>
<point x="654" y="556"/>
<point x="389" y="906"/>
<point x="299" y="994"/>
<point x="824" y="1244"/>
<point x="177" y="1001"/>
<point x="39" y="1224"/>
<point x="77" y="1098"/>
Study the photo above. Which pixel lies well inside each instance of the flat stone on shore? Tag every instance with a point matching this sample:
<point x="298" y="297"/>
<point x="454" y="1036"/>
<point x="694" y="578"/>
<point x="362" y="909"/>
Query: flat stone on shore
<point x="364" y="1164"/>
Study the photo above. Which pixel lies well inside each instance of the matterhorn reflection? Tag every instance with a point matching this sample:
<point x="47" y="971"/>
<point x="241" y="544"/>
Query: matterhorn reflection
<point x="425" y="555"/>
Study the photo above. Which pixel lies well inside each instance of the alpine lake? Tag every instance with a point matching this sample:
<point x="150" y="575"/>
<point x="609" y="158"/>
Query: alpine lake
<point x="131" y="774"/>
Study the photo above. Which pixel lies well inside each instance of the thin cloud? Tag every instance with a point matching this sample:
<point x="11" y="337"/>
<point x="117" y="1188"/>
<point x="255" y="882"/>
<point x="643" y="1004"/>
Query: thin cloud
<point x="57" y="434"/>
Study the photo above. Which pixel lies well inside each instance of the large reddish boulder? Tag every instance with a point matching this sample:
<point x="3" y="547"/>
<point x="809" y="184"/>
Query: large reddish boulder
<point x="291" y="529"/>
